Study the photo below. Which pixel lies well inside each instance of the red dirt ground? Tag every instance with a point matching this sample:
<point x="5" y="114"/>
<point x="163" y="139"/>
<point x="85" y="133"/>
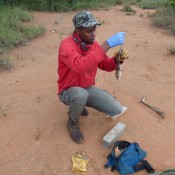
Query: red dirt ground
<point x="33" y="136"/>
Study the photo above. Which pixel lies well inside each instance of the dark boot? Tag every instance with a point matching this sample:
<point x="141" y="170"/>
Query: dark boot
<point x="74" y="131"/>
<point x="84" y="112"/>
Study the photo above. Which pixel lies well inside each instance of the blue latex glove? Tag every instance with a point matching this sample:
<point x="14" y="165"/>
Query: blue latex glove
<point x="116" y="39"/>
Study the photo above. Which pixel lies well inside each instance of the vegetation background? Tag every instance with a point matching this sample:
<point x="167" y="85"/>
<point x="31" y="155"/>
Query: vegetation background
<point x="15" y="17"/>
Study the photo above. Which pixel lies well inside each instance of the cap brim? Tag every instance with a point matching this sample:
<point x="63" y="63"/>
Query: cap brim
<point x="91" y="24"/>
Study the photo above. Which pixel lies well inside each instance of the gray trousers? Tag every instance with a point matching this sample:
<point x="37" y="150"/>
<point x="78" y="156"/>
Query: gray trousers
<point x="77" y="98"/>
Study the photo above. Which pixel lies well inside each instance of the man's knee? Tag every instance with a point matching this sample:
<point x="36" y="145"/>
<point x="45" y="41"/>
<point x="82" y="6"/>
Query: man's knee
<point x="115" y="109"/>
<point x="118" y="109"/>
<point x="81" y="97"/>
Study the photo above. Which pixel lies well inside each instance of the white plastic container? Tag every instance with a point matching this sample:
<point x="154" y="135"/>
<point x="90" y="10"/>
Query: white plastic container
<point x="113" y="135"/>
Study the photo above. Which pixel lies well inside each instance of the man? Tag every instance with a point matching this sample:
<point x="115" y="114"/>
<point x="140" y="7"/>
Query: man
<point x="79" y="57"/>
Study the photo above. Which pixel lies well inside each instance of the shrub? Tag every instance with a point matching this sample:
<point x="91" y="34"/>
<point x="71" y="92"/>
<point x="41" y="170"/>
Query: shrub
<point x="13" y="30"/>
<point x="172" y="2"/>
<point x="61" y="5"/>
<point x="5" y="62"/>
<point x="31" y="32"/>
<point x="164" y="18"/>
<point x="152" y="4"/>
<point x="127" y="8"/>
<point x="9" y="38"/>
<point x="119" y="2"/>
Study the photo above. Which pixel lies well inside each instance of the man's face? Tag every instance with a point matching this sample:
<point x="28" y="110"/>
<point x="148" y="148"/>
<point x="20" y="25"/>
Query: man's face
<point x="87" y="34"/>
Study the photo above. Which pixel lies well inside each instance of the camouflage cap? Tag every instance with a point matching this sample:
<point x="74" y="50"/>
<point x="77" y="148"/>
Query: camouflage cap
<point x="84" y="19"/>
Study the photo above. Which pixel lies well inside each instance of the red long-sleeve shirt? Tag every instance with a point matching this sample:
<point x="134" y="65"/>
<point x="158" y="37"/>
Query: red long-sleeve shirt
<point x="77" y="67"/>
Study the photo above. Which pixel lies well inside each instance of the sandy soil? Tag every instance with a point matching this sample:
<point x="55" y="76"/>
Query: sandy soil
<point x="33" y="136"/>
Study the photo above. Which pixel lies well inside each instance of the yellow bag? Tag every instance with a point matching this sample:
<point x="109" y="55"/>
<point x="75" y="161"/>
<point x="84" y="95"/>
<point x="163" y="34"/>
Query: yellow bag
<point x="79" y="162"/>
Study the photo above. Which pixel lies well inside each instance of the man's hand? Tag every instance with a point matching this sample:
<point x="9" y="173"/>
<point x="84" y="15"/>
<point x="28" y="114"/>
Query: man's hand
<point x="116" y="39"/>
<point x="121" y="57"/>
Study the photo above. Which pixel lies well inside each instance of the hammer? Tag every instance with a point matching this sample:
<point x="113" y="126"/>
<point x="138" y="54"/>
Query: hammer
<point x="152" y="107"/>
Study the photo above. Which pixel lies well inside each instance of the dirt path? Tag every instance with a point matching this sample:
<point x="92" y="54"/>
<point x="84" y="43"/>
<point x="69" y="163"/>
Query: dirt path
<point x="33" y="135"/>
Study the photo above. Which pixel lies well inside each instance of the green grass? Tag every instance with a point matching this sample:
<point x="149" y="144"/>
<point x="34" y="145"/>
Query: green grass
<point x="128" y="9"/>
<point x="13" y="30"/>
<point x="129" y="2"/>
<point x="165" y="11"/>
<point x="118" y="2"/>
<point x="145" y="4"/>
<point x="5" y="62"/>
<point x="172" y="2"/>
<point x="164" y="18"/>
<point x="152" y="4"/>
<point x="65" y="6"/>
<point x="31" y="32"/>
<point x="62" y="5"/>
